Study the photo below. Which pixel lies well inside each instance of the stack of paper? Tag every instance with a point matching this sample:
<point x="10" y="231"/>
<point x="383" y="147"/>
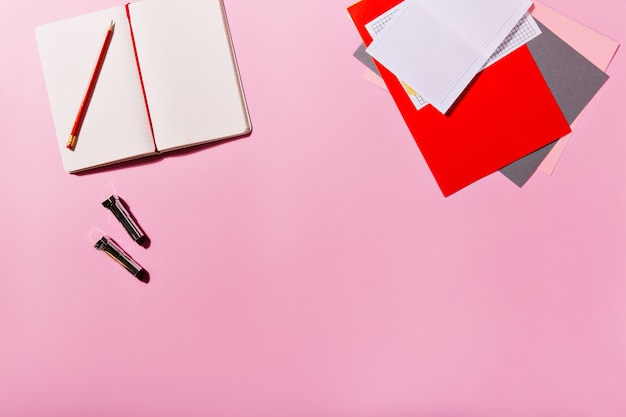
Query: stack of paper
<point x="482" y="85"/>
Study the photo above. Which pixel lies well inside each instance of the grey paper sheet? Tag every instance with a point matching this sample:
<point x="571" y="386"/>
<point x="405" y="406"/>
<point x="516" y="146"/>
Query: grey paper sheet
<point x="573" y="81"/>
<point x="365" y="58"/>
<point x="521" y="170"/>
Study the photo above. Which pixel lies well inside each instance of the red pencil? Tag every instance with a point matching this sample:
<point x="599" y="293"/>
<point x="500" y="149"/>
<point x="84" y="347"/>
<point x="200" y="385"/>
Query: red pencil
<point x="71" y="142"/>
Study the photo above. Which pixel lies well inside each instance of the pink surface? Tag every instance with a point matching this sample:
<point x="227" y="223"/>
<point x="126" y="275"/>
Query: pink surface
<point x="312" y="269"/>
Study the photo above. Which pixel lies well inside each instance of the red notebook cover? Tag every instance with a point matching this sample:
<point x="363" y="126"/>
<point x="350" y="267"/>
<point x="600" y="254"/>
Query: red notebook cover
<point x="506" y="113"/>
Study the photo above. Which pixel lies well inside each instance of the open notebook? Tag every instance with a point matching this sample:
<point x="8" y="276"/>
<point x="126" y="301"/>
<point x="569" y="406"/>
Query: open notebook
<point x="178" y="52"/>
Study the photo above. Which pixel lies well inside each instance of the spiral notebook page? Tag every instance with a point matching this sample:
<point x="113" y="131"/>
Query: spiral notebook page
<point x="438" y="47"/>
<point x="189" y="72"/>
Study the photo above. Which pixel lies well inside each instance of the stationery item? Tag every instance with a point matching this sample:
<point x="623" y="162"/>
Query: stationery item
<point x="374" y="28"/>
<point x="507" y="112"/>
<point x="121" y="213"/>
<point x="523" y="31"/>
<point x="170" y="80"/>
<point x="573" y="81"/>
<point x="374" y="78"/>
<point x="71" y="143"/>
<point x="520" y="171"/>
<point x="438" y="46"/>
<point x="361" y="54"/>
<point x="108" y="246"/>
<point x="572" y="78"/>
<point x="594" y="46"/>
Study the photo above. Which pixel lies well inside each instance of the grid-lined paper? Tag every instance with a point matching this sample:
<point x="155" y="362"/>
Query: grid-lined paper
<point x="525" y="30"/>
<point x="437" y="47"/>
<point x="374" y="28"/>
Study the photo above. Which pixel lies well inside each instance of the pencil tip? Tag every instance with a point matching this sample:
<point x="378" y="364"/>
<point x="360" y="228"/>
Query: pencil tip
<point x="112" y="25"/>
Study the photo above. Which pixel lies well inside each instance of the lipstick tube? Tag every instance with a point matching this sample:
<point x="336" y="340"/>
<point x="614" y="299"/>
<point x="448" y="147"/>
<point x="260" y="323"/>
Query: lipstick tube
<point x="108" y="246"/>
<point x="119" y="210"/>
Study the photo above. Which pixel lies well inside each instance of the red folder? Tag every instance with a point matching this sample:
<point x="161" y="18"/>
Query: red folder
<point x="506" y="113"/>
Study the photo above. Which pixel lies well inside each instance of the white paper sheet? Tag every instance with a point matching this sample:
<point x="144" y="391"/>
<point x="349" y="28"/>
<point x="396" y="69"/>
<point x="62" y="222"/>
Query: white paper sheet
<point x="438" y="46"/>
<point x="524" y="31"/>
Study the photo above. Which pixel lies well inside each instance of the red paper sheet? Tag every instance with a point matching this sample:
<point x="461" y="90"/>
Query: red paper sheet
<point x="506" y="113"/>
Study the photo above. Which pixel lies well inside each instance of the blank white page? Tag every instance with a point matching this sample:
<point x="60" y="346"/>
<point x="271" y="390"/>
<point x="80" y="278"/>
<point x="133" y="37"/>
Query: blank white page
<point x="190" y="75"/>
<point x="116" y="125"/>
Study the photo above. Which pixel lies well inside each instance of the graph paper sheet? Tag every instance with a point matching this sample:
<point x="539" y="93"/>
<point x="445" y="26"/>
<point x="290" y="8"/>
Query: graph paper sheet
<point x="374" y="28"/>
<point x="437" y="47"/>
<point x="524" y="31"/>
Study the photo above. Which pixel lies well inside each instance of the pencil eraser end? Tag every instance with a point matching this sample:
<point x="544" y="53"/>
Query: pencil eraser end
<point x="71" y="142"/>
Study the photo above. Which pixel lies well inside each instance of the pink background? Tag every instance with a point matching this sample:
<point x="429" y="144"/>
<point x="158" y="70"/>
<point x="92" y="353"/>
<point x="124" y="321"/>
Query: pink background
<point x="313" y="268"/>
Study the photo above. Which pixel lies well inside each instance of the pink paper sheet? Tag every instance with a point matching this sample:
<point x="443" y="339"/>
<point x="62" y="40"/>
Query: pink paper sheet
<point x="374" y="78"/>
